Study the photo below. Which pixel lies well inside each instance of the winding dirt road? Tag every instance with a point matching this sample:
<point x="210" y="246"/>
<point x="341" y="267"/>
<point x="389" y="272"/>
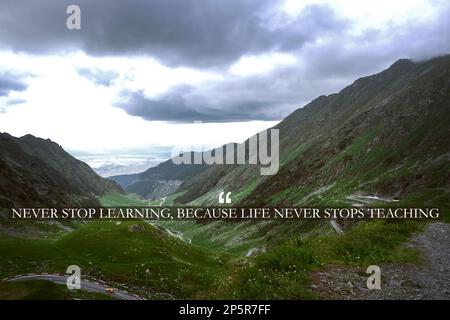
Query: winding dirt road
<point x="429" y="280"/>
<point x="85" y="285"/>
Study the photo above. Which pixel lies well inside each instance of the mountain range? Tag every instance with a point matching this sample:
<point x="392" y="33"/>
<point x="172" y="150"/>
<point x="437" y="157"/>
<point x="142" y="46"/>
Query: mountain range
<point x="158" y="181"/>
<point x="385" y="135"/>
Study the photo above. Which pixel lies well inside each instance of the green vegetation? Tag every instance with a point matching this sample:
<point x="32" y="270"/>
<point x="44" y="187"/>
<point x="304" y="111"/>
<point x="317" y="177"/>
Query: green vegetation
<point x="283" y="273"/>
<point x="358" y="146"/>
<point x="220" y="236"/>
<point x="247" y="189"/>
<point x="293" y="153"/>
<point x="115" y="199"/>
<point x="170" y="199"/>
<point x="109" y="250"/>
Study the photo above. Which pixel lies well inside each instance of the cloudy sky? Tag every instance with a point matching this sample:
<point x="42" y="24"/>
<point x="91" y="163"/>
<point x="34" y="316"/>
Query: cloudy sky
<point x="145" y="72"/>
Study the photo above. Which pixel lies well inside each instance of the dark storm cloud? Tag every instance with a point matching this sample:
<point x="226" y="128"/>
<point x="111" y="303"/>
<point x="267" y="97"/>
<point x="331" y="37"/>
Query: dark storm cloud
<point x="176" y="107"/>
<point x="326" y="68"/>
<point x="10" y="82"/>
<point x="261" y="97"/>
<point x="188" y="32"/>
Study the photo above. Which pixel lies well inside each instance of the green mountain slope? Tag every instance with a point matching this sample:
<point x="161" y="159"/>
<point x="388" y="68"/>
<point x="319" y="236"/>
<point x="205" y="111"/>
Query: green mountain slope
<point x="128" y="254"/>
<point x="385" y="135"/>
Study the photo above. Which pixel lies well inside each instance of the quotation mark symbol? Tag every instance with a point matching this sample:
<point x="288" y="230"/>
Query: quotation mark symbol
<point x="374" y="281"/>
<point x="74" y="280"/>
<point x="227" y="197"/>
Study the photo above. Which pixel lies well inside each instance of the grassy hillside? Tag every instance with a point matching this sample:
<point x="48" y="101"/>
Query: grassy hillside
<point x="284" y="271"/>
<point x="147" y="259"/>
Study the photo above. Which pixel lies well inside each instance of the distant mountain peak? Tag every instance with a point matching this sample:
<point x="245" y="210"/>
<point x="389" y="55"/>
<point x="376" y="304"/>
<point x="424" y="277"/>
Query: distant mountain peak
<point x="403" y="61"/>
<point x="401" y="65"/>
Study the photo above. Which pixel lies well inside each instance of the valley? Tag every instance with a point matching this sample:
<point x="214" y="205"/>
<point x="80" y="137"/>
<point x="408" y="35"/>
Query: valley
<point x="382" y="141"/>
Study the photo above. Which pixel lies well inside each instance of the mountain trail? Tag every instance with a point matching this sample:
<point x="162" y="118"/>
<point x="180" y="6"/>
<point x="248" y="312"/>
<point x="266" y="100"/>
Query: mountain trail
<point x="428" y="280"/>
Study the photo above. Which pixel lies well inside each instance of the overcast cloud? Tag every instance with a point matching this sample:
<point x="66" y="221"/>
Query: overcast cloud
<point x="186" y="32"/>
<point x="216" y="61"/>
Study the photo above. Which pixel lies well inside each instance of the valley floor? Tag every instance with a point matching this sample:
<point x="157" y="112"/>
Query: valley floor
<point x="428" y="280"/>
